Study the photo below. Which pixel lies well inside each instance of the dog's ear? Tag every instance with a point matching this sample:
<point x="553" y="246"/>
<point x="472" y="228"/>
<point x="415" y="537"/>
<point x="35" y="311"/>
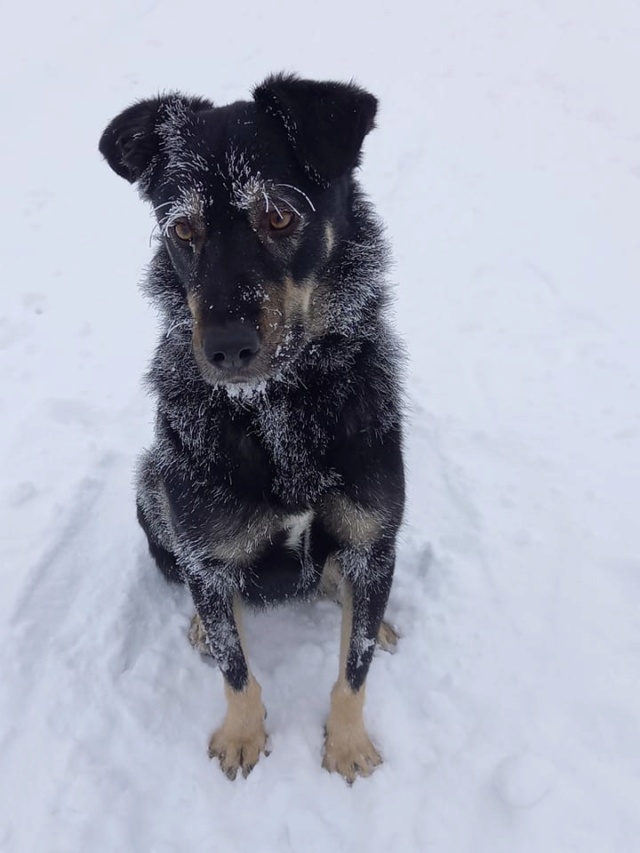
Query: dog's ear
<point x="132" y="140"/>
<point x="325" y="122"/>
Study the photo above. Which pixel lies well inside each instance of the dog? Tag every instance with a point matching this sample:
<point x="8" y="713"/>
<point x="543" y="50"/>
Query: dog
<point x="276" y="470"/>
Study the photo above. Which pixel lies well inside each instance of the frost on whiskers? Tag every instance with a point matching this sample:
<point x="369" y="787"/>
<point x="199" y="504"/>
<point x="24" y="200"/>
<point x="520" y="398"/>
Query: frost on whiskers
<point x="245" y="187"/>
<point x="189" y="205"/>
<point x="248" y="190"/>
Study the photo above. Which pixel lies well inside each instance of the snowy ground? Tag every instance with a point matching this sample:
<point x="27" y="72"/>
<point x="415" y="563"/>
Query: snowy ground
<point x="507" y="165"/>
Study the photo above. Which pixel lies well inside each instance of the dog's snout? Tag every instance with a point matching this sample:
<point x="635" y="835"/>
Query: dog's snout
<point x="231" y="347"/>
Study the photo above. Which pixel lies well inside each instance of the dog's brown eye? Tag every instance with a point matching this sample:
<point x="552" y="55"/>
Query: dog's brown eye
<point x="183" y="231"/>
<point x="281" y="221"/>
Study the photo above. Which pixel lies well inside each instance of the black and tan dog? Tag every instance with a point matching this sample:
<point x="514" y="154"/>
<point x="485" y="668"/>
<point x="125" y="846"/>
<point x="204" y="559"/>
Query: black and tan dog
<point x="277" y="464"/>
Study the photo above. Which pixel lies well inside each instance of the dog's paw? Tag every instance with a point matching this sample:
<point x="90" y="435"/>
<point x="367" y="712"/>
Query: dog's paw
<point x="351" y="754"/>
<point x="197" y="636"/>
<point x="387" y="638"/>
<point x="241" y="738"/>
<point x="238" y="751"/>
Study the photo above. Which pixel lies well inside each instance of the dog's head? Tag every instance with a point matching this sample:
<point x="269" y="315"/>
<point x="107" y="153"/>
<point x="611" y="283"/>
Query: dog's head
<point x="252" y="201"/>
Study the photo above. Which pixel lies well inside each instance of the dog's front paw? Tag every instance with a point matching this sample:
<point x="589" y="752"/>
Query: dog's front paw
<point x="238" y="750"/>
<point x="238" y="742"/>
<point x="351" y="754"/>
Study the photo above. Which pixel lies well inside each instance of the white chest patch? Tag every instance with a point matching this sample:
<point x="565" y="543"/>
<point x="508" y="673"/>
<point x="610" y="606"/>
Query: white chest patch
<point x="296" y="527"/>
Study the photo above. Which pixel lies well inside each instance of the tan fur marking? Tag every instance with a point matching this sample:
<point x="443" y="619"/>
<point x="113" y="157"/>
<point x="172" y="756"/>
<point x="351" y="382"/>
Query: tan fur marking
<point x="196" y="332"/>
<point x="351" y="523"/>
<point x="197" y="636"/>
<point x="331" y="587"/>
<point x="296" y="298"/>
<point x="248" y="540"/>
<point x="331" y="581"/>
<point x="286" y="304"/>
<point x="387" y="638"/>
<point x="241" y="738"/>
<point x="348" y="749"/>
<point x="192" y="302"/>
<point x="239" y="620"/>
<point x="238" y="552"/>
<point x="329" y="237"/>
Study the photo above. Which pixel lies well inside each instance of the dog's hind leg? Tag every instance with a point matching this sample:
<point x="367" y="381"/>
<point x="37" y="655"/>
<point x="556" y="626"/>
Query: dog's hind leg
<point x="154" y="518"/>
<point x="348" y="749"/>
<point x="331" y="587"/>
<point x="241" y="738"/>
<point x="164" y="559"/>
<point x="387" y="637"/>
<point x="198" y="637"/>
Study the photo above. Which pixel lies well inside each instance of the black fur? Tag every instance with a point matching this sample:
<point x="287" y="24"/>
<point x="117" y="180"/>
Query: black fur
<point x="308" y="424"/>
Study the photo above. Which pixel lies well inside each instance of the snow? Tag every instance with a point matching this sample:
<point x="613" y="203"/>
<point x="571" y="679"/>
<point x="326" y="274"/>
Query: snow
<point x="506" y="164"/>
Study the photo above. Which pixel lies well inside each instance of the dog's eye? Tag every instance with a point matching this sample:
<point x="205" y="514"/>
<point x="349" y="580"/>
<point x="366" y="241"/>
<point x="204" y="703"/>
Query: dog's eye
<point x="183" y="231"/>
<point x="281" y="222"/>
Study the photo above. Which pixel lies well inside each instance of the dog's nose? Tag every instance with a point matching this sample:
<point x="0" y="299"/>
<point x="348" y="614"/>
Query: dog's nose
<point x="231" y="347"/>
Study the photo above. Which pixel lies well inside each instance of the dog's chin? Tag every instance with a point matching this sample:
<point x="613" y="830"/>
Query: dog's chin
<point x="234" y="382"/>
<point x="245" y="390"/>
<point x="237" y="384"/>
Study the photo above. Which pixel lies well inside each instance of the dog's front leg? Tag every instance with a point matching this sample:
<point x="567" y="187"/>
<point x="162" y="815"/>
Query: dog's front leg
<point x="241" y="738"/>
<point x="367" y="576"/>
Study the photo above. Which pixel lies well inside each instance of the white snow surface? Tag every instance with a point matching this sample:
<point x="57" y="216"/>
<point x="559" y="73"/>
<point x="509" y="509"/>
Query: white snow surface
<point x="507" y="166"/>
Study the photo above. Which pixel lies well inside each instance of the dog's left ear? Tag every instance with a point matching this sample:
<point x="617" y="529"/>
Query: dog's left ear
<point x="325" y="123"/>
<point x="132" y="140"/>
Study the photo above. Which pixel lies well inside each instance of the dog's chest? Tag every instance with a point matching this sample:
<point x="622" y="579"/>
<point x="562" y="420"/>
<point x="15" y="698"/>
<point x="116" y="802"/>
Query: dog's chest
<point x="281" y="452"/>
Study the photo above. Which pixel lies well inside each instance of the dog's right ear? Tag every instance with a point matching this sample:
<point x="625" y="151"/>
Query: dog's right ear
<point x="132" y="140"/>
<point x="325" y="122"/>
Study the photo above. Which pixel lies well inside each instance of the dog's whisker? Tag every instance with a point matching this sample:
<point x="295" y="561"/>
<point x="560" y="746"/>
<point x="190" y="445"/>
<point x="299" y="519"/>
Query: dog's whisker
<point x="288" y="203"/>
<point x="164" y="204"/>
<point x="303" y="194"/>
<point x="176" y="325"/>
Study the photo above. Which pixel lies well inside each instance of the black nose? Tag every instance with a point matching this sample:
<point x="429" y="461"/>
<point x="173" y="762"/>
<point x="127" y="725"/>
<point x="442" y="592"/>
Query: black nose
<point x="232" y="346"/>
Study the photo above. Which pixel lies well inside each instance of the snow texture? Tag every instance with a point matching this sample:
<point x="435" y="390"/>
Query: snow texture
<point x="506" y="164"/>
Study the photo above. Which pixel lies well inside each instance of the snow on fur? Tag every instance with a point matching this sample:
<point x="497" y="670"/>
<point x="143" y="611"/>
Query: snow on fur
<point x="508" y="175"/>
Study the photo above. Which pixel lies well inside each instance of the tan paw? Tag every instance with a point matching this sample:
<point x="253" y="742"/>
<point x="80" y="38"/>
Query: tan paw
<point x="387" y="638"/>
<point x="238" y="751"/>
<point x="351" y="755"/>
<point x="197" y="636"/>
<point x="238" y="742"/>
